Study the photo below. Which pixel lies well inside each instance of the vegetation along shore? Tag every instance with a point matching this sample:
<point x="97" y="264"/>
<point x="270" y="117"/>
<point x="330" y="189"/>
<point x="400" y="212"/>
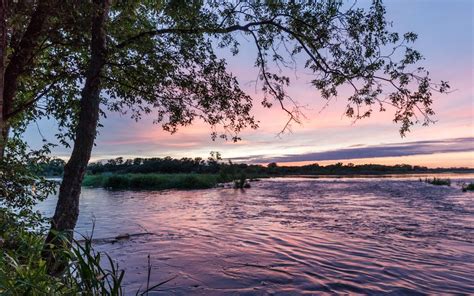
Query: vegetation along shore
<point x="197" y="173"/>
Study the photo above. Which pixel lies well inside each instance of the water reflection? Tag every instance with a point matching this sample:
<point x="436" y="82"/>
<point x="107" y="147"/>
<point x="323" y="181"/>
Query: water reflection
<point x="292" y="236"/>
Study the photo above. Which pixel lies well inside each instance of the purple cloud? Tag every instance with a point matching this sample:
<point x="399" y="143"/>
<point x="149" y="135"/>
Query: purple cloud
<point x="383" y="150"/>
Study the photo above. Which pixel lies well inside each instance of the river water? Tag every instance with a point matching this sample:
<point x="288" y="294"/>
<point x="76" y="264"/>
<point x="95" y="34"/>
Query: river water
<point x="290" y="236"/>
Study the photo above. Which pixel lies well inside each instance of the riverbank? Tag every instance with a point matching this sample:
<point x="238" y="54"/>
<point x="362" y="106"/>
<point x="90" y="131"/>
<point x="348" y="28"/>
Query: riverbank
<point x="191" y="181"/>
<point x="23" y="270"/>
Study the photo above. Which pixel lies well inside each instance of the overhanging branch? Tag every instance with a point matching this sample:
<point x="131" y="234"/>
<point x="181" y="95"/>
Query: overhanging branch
<point x="30" y="103"/>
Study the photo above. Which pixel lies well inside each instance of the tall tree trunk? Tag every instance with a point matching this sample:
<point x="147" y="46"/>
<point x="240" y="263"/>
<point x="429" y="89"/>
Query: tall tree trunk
<point x="67" y="208"/>
<point x="3" y="52"/>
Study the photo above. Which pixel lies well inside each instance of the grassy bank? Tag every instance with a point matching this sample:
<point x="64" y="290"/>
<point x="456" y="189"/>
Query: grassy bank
<point x="23" y="271"/>
<point x="153" y="181"/>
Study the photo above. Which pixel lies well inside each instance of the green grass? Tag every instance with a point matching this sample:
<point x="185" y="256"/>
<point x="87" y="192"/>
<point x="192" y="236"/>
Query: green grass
<point x="153" y="181"/>
<point x="23" y="271"/>
<point x="468" y="187"/>
<point x="438" y="181"/>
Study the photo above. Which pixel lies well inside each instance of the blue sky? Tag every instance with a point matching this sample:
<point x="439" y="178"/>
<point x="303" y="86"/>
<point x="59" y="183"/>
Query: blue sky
<point x="445" y="30"/>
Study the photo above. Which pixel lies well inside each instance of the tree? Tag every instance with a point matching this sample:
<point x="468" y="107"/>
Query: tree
<point x="24" y="27"/>
<point x="67" y="208"/>
<point x="159" y="56"/>
<point x="21" y="46"/>
<point x="3" y="47"/>
<point x="272" y="165"/>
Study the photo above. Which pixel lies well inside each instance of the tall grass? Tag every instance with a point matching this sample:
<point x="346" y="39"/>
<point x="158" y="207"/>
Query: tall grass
<point x="241" y="182"/>
<point x="438" y="181"/>
<point x="468" y="187"/>
<point x="23" y="271"/>
<point x="152" y="181"/>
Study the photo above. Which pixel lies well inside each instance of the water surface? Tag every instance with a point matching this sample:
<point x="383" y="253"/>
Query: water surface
<point x="290" y="236"/>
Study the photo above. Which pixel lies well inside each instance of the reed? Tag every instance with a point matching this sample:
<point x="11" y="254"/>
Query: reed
<point x="468" y="187"/>
<point x="23" y="271"/>
<point x="152" y="181"/>
<point x="438" y="181"/>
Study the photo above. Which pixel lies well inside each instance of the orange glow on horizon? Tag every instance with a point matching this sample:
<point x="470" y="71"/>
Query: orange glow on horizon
<point x="443" y="160"/>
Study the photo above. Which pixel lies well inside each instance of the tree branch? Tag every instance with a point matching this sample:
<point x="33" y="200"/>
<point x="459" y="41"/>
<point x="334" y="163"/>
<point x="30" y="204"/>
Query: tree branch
<point x="229" y="29"/>
<point x="21" y="57"/>
<point x="28" y="104"/>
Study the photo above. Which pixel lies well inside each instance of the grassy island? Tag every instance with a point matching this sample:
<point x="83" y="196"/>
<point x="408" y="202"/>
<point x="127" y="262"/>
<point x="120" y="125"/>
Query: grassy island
<point x="152" y="181"/>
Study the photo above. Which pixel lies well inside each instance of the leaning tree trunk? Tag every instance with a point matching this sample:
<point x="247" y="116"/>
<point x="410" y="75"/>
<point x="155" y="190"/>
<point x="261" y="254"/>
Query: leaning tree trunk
<point x="21" y="58"/>
<point x="67" y="208"/>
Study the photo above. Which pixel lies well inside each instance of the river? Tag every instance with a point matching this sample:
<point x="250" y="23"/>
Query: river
<point x="290" y="236"/>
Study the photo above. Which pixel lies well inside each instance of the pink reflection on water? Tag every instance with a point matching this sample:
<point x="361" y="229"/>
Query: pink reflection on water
<point x="293" y="236"/>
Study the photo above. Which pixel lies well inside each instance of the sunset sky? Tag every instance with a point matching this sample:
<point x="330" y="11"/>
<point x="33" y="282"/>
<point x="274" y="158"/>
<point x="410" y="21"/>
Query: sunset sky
<point x="445" y="30"/>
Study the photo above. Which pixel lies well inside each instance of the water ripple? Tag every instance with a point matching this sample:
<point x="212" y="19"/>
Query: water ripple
<point x="292" y="236"/>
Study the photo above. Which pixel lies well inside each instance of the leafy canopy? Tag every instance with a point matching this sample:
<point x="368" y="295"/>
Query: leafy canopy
<point x="162" y="59"/>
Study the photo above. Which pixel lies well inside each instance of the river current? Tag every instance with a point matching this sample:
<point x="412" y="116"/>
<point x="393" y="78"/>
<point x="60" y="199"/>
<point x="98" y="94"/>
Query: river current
<point x="289" y="236"/>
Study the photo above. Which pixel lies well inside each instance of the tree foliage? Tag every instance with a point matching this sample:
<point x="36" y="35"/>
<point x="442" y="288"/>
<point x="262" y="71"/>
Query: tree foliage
<point x="170" y="165"/>
<point x="20" y="177"/>
<point x="163" y="59"/>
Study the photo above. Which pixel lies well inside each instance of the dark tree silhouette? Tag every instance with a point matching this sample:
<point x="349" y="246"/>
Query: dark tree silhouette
<point x="20" y="49"/>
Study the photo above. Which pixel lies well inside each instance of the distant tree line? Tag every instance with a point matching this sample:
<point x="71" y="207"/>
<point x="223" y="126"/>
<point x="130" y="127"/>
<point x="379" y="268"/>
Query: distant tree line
<point x="166" y="165"/>
<point x="215" y="165"/>
<point x="53" y="168"/>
